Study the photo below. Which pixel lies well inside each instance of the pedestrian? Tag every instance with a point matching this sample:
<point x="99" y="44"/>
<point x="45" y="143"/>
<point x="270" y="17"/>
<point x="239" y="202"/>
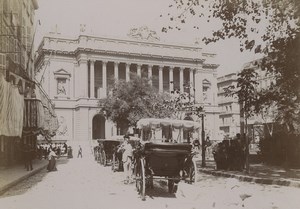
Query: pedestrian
<point x="127" y="150"/>
<point x="52" y="161"/>
<point x="79" y="152"/>
<point x="196" y="144"/>
<point x="70" y="152"/>
<point x="28" y="157"/>
<point x="65" y="148"/>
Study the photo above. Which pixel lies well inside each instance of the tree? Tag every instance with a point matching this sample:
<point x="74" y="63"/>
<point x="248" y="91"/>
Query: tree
<point x="283" y="62"/>
<point x="128" y="102"/>
<point x="269" y="27"/>
<point x="248" y="100"/>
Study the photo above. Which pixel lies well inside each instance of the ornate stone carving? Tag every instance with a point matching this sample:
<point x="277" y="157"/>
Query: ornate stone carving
<point x="143" y="33"/>
<point x="61" y="83"/>
<point x="63" y="128"/>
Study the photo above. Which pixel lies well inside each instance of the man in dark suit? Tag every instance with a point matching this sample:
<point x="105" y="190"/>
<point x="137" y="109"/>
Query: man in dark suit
<point x="28" y="154"/>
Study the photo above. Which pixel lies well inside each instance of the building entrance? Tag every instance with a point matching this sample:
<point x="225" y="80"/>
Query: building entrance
<point x="98" y="127"/>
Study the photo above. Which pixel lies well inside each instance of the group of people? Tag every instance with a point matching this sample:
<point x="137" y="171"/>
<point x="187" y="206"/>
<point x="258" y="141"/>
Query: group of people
<point x="49" y="151"/>
<point x="230" y="154"/>
<point x="43" y="149"/>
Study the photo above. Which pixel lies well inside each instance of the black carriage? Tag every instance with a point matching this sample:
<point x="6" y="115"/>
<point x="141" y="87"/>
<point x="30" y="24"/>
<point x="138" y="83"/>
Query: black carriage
<point x="106" y="151"/>
<point x="167" y="159"/>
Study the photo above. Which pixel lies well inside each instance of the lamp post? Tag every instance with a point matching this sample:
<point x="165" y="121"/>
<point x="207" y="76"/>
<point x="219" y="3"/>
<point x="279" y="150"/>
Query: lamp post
<point x="203" y="140"/>
<point x="199" y="111"/>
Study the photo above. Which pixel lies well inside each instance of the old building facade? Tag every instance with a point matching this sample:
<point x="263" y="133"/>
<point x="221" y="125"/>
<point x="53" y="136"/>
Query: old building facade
<point x="76" y="73"/>
<point x="25" y="109"/>
<point x="229" y="106"/>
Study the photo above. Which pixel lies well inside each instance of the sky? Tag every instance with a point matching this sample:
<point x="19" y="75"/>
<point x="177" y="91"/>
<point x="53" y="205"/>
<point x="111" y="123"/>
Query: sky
<point x="114" y="18"/>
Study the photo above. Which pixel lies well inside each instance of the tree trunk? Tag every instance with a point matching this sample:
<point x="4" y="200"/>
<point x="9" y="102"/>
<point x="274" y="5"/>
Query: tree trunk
<point x="203" y="141"/>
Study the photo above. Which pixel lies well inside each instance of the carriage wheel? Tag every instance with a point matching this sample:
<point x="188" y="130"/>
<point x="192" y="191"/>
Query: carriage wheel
<point x="192" y="175"/>
<point x="172" y="187"/>
<point x="100" y="157"/>
<point x="113" y="165"/>
<point x="140" y="178"/>
<point x="104" y="158"/>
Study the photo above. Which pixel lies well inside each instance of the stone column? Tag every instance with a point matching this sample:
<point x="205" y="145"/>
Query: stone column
<point x="116" y="71"/>
<point x="181" y="79"/>
<point x="83" y="80"/>
<point x="127" y="72"/>
<point x="92" y="80"/>
<point x="171" y="78"/>
<point x="150" y="73"/>
<point x="139" y="71"/>
<point x="104" y="77"/>
<point x="198" y="86"/>
<point x="191" y="81"/>
<point x="160" y="78"/>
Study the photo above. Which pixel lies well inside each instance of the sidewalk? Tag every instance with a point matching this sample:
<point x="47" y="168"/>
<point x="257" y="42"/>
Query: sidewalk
<point x="259" y="173"/>
<point x="15" y="174"/>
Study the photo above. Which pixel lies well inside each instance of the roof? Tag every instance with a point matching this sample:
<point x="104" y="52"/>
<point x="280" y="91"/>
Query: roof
<point x="147" y="122"/>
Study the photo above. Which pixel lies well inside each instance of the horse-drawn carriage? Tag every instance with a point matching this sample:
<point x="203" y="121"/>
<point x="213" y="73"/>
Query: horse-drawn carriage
<point x="105" y="152"/>
<point x="164" y="157"/>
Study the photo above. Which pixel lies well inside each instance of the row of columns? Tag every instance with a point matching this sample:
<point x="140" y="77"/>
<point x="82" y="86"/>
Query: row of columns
<point x="116" y="75"/>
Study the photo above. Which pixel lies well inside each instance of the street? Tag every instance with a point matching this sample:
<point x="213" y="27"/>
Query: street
<point x="82" y="183"/>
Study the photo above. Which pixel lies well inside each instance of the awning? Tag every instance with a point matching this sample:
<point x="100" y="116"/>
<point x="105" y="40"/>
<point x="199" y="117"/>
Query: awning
<point x="11" y="109"/>
<point x="177" y="124"/>
<point x="49" y="122"/>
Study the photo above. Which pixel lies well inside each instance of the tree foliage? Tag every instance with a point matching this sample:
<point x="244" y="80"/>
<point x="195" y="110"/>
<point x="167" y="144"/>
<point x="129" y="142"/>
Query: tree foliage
<point x="182" y="104"/>
<point x="283" y="61"/>
<point x="246" y="91"/>
<point x="269" y="27"/>
<point x="130" y="101"/>
<point x="242" y="19"/>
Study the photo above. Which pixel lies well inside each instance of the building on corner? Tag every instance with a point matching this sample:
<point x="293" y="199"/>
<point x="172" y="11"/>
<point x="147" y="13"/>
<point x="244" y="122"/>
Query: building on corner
<point x="77" y="72"/>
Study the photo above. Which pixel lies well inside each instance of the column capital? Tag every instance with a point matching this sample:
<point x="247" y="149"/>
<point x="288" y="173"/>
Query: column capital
<point x="92" y="61"/>
<point x="82" y="61"/>
<point x="104" y="62"/>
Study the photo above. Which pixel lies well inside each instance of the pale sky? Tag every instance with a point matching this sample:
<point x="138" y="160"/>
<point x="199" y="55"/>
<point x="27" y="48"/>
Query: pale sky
<point x="116" y="17"/>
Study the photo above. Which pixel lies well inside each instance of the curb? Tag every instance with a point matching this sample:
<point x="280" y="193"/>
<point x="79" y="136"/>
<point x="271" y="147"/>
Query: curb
<point x="259" y="180"/>
<point x="4" y="188"/>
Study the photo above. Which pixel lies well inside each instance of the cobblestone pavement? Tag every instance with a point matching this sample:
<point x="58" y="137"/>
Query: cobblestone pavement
<point x="84" y="184"/>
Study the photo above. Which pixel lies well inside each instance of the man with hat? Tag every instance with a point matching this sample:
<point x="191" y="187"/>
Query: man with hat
<point x="127" y="150"/>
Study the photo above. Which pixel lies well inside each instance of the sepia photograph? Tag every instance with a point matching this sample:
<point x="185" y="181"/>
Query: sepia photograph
<point x="149" y="104"/>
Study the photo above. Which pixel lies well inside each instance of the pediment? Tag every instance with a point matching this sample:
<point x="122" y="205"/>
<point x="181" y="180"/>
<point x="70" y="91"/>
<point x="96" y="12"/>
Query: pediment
<point x="62" y="73"/>
<point x="206" y="82"/>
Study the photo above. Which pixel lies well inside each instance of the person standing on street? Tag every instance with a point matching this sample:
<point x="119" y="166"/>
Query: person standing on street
<point x="52" y="161"/>
<point x="28" y="157"/>
<point x="70" y="152"/>
<point x="127" y="150"/>
<point x="79" y="152"/>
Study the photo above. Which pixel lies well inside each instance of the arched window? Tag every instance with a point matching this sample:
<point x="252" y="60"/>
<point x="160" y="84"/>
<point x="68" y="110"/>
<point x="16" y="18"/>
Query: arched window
<point x="98" y="127"/>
